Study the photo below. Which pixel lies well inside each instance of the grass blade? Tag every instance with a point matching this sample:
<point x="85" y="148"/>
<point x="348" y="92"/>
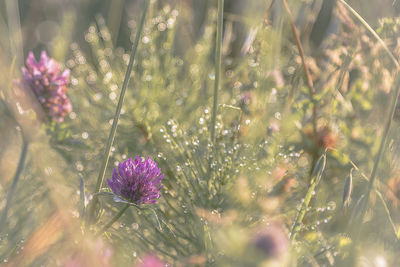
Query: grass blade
<point x="316" y="177"/>
<point x="111" y="137"/>
<point x="11" y="191"/>
<point x="218" y="57"/>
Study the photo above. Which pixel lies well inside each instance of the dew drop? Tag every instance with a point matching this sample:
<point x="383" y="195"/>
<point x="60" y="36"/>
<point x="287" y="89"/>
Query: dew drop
<point x="112" y="95"/>
<point x="145" y="39"/>
<point x="85" y="135"/>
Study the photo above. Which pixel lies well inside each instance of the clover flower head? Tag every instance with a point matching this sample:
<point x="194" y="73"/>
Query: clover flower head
<point x="137" y="181"/>
<point x="48" y="84"/>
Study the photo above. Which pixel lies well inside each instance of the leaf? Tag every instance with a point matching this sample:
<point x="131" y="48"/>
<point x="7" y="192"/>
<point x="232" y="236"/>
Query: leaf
<point x="318" y="169"/>
<point x="347" y="190"/>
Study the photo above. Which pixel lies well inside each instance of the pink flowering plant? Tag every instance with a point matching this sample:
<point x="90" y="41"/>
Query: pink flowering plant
<point x="45" y="79"/>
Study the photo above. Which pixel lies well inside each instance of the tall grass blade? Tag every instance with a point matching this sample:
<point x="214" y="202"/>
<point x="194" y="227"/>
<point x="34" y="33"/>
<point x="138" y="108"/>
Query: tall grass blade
<point x="218" y="58"/>
<point x="389" y="119"/>
<point x="13" y="187"/>
<point x="111" y="137"/>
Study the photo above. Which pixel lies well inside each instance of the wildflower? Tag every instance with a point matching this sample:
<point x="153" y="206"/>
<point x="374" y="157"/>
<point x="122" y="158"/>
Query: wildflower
<point x="137" y="181"/>
<point x="49" y="86"/>
<point x="272" y="241"/>
<point x="152" y="261"/>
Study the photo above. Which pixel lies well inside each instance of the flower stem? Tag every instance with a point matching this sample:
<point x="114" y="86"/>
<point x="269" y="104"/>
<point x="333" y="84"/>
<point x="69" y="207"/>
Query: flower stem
<point x="111" y="137"/>
<point x="218" y="57"/>
<point x="314" y="181"/>
<point x="14" y="183"/>
<point x="382" y="145"/>
<point x="113" y="220"/>
<point x="389" y="119"/>
<point x="310" y="84"/>
<point x="302" y="212"/>
<point x="376" y="36"/>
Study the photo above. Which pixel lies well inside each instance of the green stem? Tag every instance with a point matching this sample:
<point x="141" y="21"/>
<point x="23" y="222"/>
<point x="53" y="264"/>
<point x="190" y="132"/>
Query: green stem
<point x="389" y="216"/>
<point x="315" y="179"/>
<point x="302" y="212"/>
<point x="310" y="84"/>
<point x="309" y="80"/>
<point x="14" y="27"/>
<point x="387" y="211"/>
<point x="14" y="183"/>
<point x="113" y="220"/>
<point x="218" y="57"/>
<point x="369" y="28"/>
<point x="382" y="145"/>
<point x="389" y="120"/>
<point x="111" y="137"/>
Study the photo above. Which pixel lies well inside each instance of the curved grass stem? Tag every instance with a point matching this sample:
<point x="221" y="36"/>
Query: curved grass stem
<point x="388" y="123"/>
<point x="113" y="130"/>
<point x="305" y="66"/>
<point x="310" y="84"/>
<point x="13" y="187"/>
<point x="369" y="28"/>
<point x="379" y="194"/>
<point x="113" y="220"/>
<point x="382" y="146"/>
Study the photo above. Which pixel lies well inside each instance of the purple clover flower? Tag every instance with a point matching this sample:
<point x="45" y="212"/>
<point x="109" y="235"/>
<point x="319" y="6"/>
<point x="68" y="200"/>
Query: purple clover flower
<point x="137" y="181"/>
<point x="49" y="85"/>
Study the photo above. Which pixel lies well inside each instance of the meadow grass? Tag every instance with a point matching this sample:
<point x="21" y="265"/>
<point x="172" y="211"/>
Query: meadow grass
<point x="254" y="141"/>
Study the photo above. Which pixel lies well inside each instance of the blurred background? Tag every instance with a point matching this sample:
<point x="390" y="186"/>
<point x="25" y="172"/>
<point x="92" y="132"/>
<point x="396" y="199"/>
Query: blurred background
<point x="45" y="23"/>
<point x="167" y="107"/>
